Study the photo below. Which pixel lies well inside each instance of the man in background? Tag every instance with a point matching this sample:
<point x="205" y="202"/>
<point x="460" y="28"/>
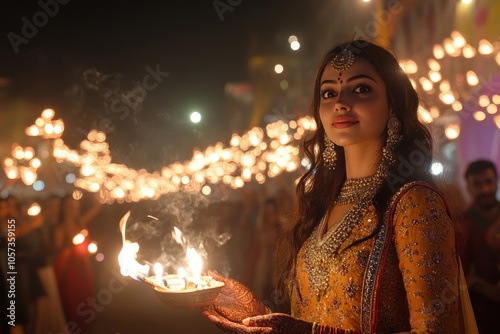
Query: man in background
<point x="481" y="252"/>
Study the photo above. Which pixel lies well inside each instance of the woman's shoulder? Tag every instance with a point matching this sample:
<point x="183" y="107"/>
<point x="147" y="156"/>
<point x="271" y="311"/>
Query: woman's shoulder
<point x="415" y="188"/>
<point x="416" y="193"/>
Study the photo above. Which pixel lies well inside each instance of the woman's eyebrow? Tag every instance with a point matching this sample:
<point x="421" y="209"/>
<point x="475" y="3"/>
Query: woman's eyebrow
<point x="361" y="76"/>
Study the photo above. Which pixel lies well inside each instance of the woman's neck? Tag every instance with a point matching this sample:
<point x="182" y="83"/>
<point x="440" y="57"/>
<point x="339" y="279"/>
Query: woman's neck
<point x="362" y="160"/>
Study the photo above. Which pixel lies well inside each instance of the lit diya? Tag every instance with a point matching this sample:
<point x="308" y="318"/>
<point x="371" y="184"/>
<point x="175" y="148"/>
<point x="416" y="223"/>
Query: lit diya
<point x="186" y="289"/>
<point x="181" y="293"/>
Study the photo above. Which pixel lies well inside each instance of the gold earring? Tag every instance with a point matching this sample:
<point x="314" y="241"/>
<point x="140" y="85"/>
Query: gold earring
<point x="329" y="154"/>
<point x="393" y="139"/>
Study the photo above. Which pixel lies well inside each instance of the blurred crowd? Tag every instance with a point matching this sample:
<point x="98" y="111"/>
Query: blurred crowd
<point x="51" y="270"/>
<point x="54" y="273"/>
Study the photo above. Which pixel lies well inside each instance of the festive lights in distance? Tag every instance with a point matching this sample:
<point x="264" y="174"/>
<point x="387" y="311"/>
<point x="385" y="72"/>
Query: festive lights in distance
<point x="294" y="42"/>
<point x="45" y="126"/>
<point x="195" y="117"/>
<point x="257" y="154"/>
<point x="22" y="164"/>
<point x="452" y="131"/>
<point x="454" y="92"/>
<point x="34" y="209"/>
<point x="437" y="168"/>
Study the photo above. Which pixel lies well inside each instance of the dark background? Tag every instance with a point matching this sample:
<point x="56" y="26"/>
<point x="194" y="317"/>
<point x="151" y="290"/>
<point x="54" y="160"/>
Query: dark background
<point x="92" y="51"/>
<point x="120" y="39"/>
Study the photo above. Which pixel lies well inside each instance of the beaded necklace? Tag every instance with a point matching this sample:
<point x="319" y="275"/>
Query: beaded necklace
<point x="323" y="248"/>
<point x="353" y="189"/>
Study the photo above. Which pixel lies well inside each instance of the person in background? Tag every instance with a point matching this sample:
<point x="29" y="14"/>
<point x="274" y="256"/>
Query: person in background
<point x="72" y="266"/>
<point x="259" y="264"/>
<point x="28" y="287"/>
<point x="50" y="316"/>
<point x="481" y="222"/>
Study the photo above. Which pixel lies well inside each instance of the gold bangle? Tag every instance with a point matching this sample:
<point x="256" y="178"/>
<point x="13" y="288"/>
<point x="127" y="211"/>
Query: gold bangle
<point x="314" y="329"/>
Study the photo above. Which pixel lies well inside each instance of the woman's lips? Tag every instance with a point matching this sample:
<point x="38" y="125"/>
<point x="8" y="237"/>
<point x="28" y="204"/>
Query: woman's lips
<point x="344" y="122"/>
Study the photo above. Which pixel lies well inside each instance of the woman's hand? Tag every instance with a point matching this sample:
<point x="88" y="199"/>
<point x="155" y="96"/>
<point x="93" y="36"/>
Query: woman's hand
<point x="231" y="327"/>
<point x="279" y="323"/>
<point x="234" y="303"/>
<point x="274" y="323"/>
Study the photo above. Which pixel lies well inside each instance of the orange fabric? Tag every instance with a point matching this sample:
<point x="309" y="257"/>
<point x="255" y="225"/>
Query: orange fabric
<point x="418" y="288"/>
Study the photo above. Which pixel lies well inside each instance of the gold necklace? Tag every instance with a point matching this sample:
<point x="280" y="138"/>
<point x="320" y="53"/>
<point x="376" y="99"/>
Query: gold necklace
<point x="353" y="189"/>
<point x="319" y="252"/>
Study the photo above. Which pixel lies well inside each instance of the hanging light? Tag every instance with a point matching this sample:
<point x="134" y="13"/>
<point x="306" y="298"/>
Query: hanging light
<point x="457" y="106"/>
<point x="447" y="98"/>
<point x="492" y="109"/>
<point x="445" y="86"/>
<point x="479" y="115"/>
<point x="472" y="78"/>
<point x="438" y="51"/>
<point x="424" y="115"/>
<point x="434" y="64"/>
<point x="496" y="119"/>
<point x="484" y="101"/>
<point x="409" y="66"/>
<point x="435" y="76"/>
<point x="426" y="84"/>
<point x="452" y="131"/>
<point x="485" y="47"/>
<point x="458" y="39"/>
<point x="450" y="47"/>
<point x="468" y="51"/>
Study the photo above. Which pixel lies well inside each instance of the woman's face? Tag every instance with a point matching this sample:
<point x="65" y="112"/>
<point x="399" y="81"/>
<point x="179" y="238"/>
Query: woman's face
<point x="353" y="106"/>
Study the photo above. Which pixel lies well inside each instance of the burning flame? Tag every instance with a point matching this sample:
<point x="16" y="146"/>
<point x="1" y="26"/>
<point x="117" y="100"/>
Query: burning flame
<point x="195" y="264"/>
<point x="127" y="257"/>
<point x="130" y="267"/>
<point x="177" y="235"/>
<point x="158" y="269"/>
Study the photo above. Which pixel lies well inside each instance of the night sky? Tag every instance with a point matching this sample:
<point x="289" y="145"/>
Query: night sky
<point x="199" y="47"/>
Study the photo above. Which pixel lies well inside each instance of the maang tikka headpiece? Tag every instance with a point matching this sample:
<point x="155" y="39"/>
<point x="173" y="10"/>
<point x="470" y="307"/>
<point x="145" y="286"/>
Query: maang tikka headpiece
<point x="343" y="60"/>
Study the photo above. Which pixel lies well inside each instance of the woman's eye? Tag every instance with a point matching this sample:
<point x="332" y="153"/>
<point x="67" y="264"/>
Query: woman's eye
<point x="328" y="94"/>
<point x="362" y="89"/>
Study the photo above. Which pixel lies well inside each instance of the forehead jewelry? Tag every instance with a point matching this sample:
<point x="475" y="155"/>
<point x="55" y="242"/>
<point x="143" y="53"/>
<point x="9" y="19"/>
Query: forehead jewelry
<point x="343" y="60"/>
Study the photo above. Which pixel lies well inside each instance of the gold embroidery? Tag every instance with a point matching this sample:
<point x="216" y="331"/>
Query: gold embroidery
<point x="423" y="247"/>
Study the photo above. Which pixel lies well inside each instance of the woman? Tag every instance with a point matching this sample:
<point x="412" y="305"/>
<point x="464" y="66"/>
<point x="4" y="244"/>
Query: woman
<point x="373" y="247"/>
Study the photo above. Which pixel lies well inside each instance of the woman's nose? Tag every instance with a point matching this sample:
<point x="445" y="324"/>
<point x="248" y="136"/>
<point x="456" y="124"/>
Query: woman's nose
<point x="342" y="104"/>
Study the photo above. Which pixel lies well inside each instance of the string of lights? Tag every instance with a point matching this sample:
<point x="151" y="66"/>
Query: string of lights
<point x="258" y="154"/>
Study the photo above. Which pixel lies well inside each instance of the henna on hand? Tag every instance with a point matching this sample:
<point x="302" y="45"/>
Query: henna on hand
<point x="280" y="323"/>
<point x="235" y="301"/>
<point x="233" y="327"/>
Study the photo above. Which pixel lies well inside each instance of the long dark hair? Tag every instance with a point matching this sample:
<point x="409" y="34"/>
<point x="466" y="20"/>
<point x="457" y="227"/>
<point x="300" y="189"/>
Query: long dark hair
<point x="319" y="186"/>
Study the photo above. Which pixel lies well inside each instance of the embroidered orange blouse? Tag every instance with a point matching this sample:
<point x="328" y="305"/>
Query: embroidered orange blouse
<point x="418" y="287"/>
